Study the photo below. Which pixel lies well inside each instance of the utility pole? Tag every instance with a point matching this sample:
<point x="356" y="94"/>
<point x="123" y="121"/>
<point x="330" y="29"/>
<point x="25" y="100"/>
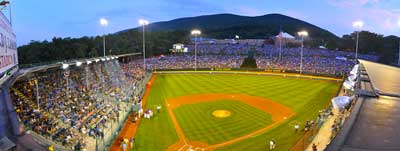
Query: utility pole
<point x="398" y="63"/>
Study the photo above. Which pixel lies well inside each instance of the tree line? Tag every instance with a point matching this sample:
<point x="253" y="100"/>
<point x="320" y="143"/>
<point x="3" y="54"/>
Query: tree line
<point x="159" y="42"/>
<point x="130" y="41"/>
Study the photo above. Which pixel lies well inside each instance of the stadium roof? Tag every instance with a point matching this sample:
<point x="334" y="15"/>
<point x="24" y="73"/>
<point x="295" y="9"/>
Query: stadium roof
<point x="286" y="35"/>
<point x="386" y="79"/>
<point x="374" y="122"/>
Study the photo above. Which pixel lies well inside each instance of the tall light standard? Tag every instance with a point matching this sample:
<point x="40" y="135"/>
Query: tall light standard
<point x="237" y="37"/>
<point x="357" y="25"/>
<point x="144" y="23"/>
<point x="302" y="34"/>
<point x="104" y="23"/>
<point x="196" y="33"/>
<point x="398" y="63"/>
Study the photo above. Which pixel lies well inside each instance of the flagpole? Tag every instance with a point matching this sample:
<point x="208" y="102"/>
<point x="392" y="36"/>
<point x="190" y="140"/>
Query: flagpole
<point x="280" y="45"/>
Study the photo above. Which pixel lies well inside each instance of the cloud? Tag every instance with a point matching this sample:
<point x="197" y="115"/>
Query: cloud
<point x="248" y="11"/>
<point x="377" y="14"/>
<point x="352" y="3"/>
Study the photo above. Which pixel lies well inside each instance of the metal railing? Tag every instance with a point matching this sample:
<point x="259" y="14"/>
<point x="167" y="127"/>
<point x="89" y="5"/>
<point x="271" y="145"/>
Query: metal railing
<point x="116" y="126"/>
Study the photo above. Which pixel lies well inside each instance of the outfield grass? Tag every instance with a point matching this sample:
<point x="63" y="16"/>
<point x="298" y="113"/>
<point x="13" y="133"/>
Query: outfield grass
<point x="198" y="123"/>
<point x="304" y="96"/>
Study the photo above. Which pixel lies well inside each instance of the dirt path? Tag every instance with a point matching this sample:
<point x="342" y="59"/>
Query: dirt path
<point x="278" y="112"/>
<point x="130" y="128"/>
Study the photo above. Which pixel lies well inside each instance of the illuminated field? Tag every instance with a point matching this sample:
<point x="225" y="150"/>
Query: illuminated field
<point x="304" y="97"/>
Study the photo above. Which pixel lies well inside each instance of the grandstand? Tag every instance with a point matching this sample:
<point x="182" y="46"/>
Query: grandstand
<point x="263" y="90"/>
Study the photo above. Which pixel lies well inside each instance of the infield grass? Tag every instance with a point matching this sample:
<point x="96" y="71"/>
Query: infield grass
<point x="304" y="96"/>
<point x="199" y="124"/>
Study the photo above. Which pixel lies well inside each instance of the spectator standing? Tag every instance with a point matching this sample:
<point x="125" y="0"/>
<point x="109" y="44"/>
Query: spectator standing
<point x="314" y="147"/>
<point x="124" y="146"/>
<point x="296" y="127"/>
<point x="158" y="108"/>
<point x="271" y="144"/>
<point x="131" y="141"/>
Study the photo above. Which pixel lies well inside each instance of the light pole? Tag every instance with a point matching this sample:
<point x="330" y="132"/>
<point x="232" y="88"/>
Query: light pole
<point x="104" y="23"/>
<point x="302" y="34"/>
<point x="66" y="74"/>
<point x="144" y="23"/>
<point x="37" y="94"/>
<point x="357" y="25"/>
<point x="237" y="37"/>
<point x="280" y="44"/>
<point x="196" y="33"/>
<point x="398" y="63"/>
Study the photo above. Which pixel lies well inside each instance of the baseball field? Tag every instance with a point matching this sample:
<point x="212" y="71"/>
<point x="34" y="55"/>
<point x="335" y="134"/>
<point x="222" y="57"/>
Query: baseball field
<point x="229" y="112"/>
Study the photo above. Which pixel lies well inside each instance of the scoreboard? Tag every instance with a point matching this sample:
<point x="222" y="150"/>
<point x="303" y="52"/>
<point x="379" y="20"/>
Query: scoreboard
<point x="8" y="46"/>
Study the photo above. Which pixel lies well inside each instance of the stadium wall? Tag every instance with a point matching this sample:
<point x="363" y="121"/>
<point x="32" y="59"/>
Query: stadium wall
<point x="290" y="75"/>
<point x="8" y="117"/>
<point x="337" y="75"/>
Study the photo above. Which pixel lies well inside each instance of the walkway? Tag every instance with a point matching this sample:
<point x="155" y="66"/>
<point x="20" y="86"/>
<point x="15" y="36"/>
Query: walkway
<point x="129" y="129"/>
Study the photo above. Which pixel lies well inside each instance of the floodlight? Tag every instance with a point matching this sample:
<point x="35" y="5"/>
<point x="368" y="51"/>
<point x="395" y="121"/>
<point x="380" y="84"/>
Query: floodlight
<point x="65" y="66"/>
<point x="143" y="22"/>
<point x="358" y="24"/>
<point x="196" y="32"/>
<point x="103" y="22"/>
<point x="303" y="33"/>
<point x="78" y="63"/>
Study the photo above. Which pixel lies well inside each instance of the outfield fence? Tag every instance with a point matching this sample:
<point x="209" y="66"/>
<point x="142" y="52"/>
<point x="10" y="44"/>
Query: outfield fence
<point x="286" y="75"/>
<point x="334" y="75"/>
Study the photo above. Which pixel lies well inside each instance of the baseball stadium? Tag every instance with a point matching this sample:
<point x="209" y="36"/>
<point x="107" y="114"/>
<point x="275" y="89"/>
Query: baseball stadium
<point x="220" y="82"/>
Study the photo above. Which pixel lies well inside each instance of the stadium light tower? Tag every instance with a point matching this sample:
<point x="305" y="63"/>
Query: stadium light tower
<point x="357" y="25"/>
<point x="398" y="63"/>
<point x="144" y="23"/>
<point x="302" y="34"/>
<point x="104" y="23"/>
<point x="195" y="33"/>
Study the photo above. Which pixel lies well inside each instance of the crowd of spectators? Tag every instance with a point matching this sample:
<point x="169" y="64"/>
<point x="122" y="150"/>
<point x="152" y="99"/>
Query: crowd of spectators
<point x="188" y="61"/>
<point x="76" y="103"/>
<point x="227" y="55"/>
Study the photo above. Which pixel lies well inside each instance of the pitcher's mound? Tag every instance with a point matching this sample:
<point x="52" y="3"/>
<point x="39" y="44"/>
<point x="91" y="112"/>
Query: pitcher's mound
<point x="221" y="113"/>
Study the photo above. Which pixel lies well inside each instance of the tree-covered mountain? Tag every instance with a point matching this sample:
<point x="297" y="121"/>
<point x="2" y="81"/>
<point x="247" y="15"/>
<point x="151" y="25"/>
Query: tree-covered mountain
<point x="228" y="25"/>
